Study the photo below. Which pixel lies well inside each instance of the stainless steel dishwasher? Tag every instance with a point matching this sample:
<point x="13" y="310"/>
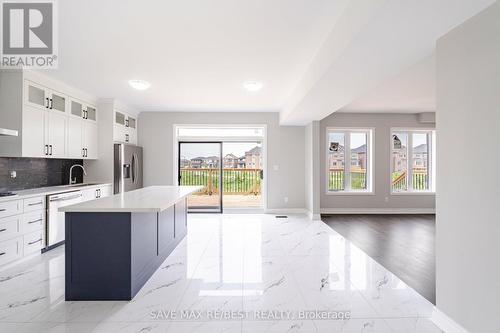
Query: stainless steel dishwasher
<point x="55" y="219"/>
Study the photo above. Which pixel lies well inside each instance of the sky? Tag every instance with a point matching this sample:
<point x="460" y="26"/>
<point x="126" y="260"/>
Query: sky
<point x="191" y="150"/>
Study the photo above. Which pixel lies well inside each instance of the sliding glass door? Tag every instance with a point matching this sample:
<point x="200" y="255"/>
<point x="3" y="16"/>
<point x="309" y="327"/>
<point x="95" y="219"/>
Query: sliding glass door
<point x="200" y="164"/>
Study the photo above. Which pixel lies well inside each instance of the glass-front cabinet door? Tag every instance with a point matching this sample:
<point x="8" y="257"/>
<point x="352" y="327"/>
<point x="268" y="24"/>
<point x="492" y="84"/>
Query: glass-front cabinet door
<point x="119" y="118"/>
<point x="36" y="95"/>
<point x="91" y="113"/>
<point x="57" y="102"/>
<point x="76" y="109"/>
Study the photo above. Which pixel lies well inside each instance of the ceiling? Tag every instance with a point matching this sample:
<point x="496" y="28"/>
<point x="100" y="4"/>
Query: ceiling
<point x="195" y="53"/>
<point x="412" y="91"/>
<point x="313" y="57"/>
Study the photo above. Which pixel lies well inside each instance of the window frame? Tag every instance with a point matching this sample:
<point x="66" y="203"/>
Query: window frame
<point x="431" y="162"/>
<point x="370" y="134"/>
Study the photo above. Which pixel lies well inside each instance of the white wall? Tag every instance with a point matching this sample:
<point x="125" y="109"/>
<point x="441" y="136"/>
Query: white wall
<point x="382" y="123"/>
<point x="468" y="119"/>
<point x="312" y="169"/>
<point x="285" y="149"/>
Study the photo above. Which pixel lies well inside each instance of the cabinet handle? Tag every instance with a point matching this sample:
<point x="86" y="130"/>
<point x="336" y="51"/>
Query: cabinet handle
<point x="2" y="210"/>
<point x="86" y="152"/>
<point x="126" y="138"/>
<point x="35" y="203"/>
<point x="50" y="148"/>
<point x="34" y="242"/>
<point x="47" y="101"/>
<point x="51" y="104"/>
<point x="1" y="254"/>
<point x="126" y="123"/>
<point x="2" y="230"/>
<point x="99" y="192"/>
<point x="46" y="149"/>
<point x="39" y="220"/>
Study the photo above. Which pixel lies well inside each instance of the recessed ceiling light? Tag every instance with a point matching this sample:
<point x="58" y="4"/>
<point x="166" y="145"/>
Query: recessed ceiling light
<point x="252" y="85"/>
<point x="139" y="84"/>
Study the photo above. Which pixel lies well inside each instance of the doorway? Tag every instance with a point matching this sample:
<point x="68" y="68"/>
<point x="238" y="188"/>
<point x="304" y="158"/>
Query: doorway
<point x="200" y="165"/>
<point x="230" y="167"/>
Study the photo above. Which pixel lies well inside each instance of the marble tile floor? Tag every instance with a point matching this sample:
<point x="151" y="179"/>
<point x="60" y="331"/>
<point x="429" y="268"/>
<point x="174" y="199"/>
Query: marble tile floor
<point x="232" y="273"/>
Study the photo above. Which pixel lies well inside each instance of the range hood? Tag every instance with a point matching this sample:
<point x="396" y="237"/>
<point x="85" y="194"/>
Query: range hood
<point x="7" y="132"/>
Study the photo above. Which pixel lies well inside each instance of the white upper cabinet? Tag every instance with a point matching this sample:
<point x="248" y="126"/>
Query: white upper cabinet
<point x="90" y="140"/>
<point x="55" y="131"/>
<point x="54" y="124"/>
<point x="36" y="95"/>
<point x="125" y="128"/>
<point x="33" y="135"/>
<point x="75" y="138"/>
<point x="83" y="130"/>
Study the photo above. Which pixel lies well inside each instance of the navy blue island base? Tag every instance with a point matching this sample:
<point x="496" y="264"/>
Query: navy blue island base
<point x="110" y="256"/>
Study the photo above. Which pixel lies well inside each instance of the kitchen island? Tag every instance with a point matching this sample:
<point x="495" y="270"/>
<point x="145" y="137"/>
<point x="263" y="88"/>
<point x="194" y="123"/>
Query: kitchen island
<point x="115" y="244"/>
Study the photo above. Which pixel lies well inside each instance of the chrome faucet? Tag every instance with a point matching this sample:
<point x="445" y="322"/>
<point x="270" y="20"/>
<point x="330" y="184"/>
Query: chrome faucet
<point x="71" y="179"/>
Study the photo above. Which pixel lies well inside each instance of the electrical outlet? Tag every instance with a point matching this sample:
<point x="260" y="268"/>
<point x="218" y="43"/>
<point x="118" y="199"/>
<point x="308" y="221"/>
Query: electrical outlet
<point x="13" y="174"/>
<point x="286" y="199"/>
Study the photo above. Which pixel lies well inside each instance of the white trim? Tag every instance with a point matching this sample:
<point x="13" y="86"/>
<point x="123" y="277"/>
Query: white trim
<point x="243" y="211"/>
<point x="262" y="139"/>
<point x="370" y="152"/>
<point x="414" y="193"/>
<point x="359" y="192"/>
<point x="448" y="325"/>
<point x="313" y="217"/>
<point x="286" y="211"/>
<point x="431" y="167"/>
<point x="378" y="210"/>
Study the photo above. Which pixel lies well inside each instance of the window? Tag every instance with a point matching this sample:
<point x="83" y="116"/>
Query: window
<point x="412" y="161"/>
<point x="349" y="160"/>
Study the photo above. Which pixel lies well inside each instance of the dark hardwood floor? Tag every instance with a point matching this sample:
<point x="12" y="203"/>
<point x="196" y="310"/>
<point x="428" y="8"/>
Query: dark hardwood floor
<point x="404" y="244"/>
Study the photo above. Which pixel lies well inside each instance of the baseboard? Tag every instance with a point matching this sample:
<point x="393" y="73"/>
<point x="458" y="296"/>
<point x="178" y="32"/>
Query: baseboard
<point x="314" y="217"/>
<point x="378" y="211"/>
<point x="286" y="211"/>
<point x="445" y="323"/>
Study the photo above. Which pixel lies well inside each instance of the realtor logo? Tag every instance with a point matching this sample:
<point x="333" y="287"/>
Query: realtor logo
<point x="28" y="34"/>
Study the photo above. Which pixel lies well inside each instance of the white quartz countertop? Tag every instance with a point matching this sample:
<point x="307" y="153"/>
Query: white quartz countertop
<point x="42" y="191"/>
<point x="145" y="200"/>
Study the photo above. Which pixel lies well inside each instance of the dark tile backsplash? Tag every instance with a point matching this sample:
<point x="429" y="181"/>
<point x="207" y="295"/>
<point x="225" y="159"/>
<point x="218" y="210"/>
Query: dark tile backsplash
<point x="36" y="172"/>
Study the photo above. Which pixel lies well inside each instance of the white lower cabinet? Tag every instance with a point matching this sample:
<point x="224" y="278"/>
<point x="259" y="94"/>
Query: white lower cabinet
<point x="22" y="232"/>
<point x="9" y="227"/>
<point x="23" y="221"/>
<point x="33" y="242"/>
<point x="96" y="192"/>
<point x="11" y="250"/>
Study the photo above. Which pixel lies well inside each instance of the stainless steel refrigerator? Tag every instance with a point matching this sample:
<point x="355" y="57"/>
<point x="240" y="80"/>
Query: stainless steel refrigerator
<point x="127" y="168"/>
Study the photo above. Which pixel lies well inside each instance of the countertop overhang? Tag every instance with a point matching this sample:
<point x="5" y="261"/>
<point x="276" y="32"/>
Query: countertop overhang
<point x="145" y="200"/>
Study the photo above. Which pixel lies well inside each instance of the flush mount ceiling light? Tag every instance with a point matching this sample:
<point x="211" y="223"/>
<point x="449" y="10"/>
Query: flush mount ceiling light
<point x="139" y="84"/>
<point x="252" y="86"/>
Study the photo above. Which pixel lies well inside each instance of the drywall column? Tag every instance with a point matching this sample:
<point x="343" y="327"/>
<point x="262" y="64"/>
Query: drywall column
<point x="468" y="190"/>
<point x="312" y="169"/>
